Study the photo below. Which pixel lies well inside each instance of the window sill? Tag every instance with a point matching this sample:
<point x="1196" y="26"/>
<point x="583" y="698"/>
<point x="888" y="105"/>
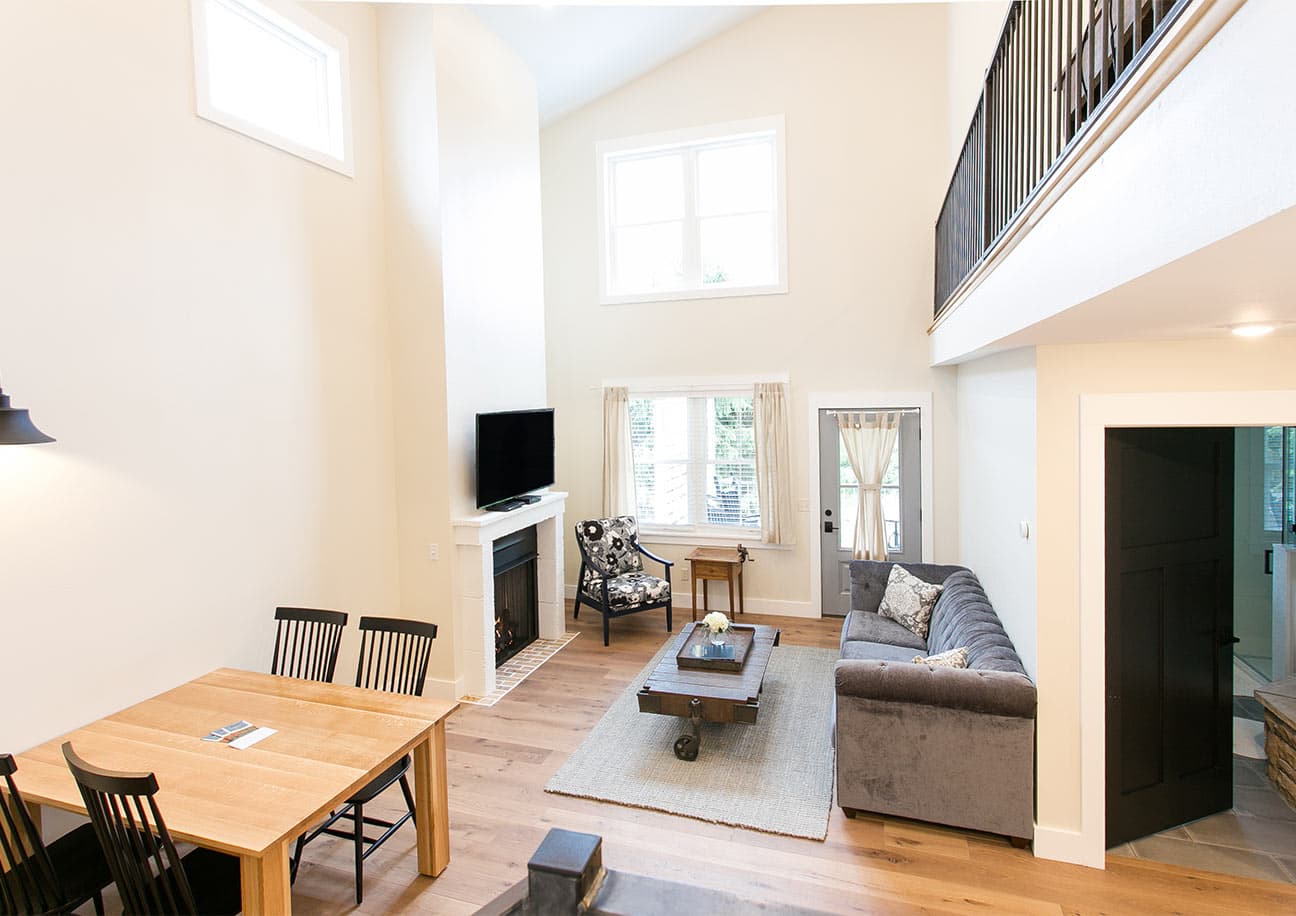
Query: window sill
<point x="677" y="295"/>
<point x="749" y="539"/>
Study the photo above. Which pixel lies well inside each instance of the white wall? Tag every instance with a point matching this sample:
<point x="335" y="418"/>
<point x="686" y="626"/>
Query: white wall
<point x="199" y="319"/>
<point x="996" y="451"/>
<point x="1071" y="707"/>
<point x="973" y="30"/>
<point x="1219" y="180"/>
<point x="488" y="131"/>
<point x="863" y="91"/>
<point x="417" y="320"/>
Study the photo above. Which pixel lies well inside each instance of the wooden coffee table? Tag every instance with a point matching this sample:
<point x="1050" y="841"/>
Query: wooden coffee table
<point x="707" y="696"/>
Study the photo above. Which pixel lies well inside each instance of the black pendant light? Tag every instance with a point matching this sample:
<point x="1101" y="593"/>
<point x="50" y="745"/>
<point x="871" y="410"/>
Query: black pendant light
<point x="16" y="427"/>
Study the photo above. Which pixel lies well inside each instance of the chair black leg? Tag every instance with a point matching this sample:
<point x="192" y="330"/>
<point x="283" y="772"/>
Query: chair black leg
<point x="669" y="628"/>
<point x="358" y="811"/>
<point x="98" y="903"/>
<point x="605" y="629"/>
<point x="296" y="860"/>
<point x="576" y="606"/>
<point x="409" y="798"/>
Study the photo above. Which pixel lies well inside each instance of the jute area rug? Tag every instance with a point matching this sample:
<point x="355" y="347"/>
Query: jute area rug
<point x="775" y="775"/>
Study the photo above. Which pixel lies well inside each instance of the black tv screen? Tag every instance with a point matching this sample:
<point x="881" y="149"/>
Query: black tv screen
<point x="515" y="454"/>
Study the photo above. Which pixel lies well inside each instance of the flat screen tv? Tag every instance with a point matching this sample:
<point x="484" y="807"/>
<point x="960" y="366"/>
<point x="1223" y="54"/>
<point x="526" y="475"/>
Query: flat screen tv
<point x="515" y="454"/>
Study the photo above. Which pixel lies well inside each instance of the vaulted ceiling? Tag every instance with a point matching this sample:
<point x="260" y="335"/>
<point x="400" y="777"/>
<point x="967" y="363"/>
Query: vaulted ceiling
<point x="578" y="53"/>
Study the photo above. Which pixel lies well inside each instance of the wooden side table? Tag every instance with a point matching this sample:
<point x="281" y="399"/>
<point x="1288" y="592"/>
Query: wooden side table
<point x="719" y="563"/>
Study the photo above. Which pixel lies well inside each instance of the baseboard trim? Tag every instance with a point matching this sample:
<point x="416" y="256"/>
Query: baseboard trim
<point x="720" y="602"/>
<point x="1065" y="846"/>
<point x="443" y="688"/>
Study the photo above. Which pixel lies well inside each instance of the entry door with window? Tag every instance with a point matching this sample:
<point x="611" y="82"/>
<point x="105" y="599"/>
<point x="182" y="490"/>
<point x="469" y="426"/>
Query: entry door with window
<point x="839" y="506"/>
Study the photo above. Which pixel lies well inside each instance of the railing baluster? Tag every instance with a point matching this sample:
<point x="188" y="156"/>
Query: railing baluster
<point x="1051" y="85"/>
<point x="1014" y="97"/>
<point x="1137" y="31"/>
<point x="1056" y="64"/>
<point x="1119" y="50"/>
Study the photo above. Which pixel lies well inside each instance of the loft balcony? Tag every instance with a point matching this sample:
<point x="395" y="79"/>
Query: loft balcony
<point x="1113" y="139"/>
<point x="1057" y="65"/>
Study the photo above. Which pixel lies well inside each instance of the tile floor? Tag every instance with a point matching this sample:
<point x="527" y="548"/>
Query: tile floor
<point x="1257" y="838"/>
<point x="515" y="670"/>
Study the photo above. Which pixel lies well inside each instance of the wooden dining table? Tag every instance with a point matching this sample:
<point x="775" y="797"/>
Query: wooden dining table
<point x="330" y="741"/>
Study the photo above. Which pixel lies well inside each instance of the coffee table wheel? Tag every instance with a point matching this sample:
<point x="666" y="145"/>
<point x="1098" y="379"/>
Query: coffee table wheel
<point x="687" y="747"/>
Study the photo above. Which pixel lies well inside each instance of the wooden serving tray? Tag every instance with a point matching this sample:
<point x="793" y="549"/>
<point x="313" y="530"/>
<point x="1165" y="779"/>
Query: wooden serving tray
<point x="691" y="653"/>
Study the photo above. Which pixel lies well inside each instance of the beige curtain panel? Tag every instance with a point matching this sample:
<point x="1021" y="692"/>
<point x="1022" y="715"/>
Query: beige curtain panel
<point x="618" y="455"/>
<point x="773" y="462"/>
<point x="869" y="440"/>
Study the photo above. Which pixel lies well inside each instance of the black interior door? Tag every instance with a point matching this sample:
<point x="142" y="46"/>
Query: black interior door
<point x="1169" y="628"/>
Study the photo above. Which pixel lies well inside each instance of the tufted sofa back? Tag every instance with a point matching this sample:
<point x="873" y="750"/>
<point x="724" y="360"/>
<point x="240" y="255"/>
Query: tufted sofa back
<point x="963" y="617"/>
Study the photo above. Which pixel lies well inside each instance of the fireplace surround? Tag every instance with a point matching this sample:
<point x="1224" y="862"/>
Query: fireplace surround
<point x="474" y="584"/>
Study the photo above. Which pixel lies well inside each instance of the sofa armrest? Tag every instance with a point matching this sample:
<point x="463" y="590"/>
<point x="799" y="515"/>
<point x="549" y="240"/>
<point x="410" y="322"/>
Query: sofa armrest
<point x="997" y="693"/>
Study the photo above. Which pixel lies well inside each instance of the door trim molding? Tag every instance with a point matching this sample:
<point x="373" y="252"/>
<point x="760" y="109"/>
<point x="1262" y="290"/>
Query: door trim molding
<point x="867" y="400"/>
<point x="1098" y="412"/>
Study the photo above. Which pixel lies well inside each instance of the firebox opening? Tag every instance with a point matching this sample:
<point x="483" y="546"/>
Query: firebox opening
<point x="517" y="608"/>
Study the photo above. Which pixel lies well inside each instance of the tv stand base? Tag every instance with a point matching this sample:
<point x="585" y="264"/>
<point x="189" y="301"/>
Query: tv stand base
<point x="516" y="502"/>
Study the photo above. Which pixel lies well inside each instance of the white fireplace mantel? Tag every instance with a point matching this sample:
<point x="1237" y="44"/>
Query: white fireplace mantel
<point x="475" y="536"/>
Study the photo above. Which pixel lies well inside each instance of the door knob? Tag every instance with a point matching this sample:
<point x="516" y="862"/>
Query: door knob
<point x="828" y="528"/>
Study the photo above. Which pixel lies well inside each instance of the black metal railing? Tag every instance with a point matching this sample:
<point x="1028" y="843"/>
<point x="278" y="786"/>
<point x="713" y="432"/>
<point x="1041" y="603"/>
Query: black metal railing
<point x="1057" y="64"/>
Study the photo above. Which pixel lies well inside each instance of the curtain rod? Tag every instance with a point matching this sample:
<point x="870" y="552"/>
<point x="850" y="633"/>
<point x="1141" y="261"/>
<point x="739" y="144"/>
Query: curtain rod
<point x="833" y="411"/>
<point x="657" y="386"/>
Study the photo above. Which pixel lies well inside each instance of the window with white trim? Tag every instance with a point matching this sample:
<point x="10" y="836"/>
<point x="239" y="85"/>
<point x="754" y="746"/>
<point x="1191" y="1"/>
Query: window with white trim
<point x="693" y="214"/>
<point x="272" y="71"/>
<point x="695" y="461"/>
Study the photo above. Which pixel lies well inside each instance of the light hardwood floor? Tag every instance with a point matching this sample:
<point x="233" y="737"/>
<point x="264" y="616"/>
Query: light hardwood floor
<point x="501" y="757"/>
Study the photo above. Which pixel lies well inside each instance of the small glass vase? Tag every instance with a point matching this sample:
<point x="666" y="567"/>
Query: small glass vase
<point x="718" y="639"/>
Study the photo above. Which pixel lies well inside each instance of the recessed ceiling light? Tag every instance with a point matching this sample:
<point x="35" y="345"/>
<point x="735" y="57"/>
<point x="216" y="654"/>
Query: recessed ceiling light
<point x="1252" y="330"/>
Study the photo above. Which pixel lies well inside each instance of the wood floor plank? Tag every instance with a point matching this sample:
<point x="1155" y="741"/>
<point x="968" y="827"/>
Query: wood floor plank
<point x="500" y="758"/>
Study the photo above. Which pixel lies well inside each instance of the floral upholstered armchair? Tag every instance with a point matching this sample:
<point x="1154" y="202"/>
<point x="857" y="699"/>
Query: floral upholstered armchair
<point x="612" y="577"/>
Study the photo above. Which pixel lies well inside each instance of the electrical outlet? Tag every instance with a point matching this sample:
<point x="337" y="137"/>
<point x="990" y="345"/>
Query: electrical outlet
<point x="434" y="551"/>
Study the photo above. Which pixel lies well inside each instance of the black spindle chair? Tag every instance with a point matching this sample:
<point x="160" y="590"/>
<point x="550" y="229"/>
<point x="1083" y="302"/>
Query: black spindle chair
<point x="151" y="876"/>
<point x="307" y="642"/>
<point x="35" y="878"/>
<point x="393" y="657"/>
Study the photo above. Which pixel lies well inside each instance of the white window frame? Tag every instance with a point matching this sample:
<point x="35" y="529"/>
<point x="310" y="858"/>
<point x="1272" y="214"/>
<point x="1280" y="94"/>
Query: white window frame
<point x="691" y="139"/>
<point x="301" y="26"/>
<point x="699" y="387"/>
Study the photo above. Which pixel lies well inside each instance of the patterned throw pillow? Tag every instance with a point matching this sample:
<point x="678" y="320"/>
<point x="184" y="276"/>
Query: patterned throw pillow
<point x="954" y="658"/>
<point x="909" y="601"/>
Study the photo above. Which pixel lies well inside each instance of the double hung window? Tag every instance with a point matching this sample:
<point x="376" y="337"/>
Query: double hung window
<point x="695" y="461"/>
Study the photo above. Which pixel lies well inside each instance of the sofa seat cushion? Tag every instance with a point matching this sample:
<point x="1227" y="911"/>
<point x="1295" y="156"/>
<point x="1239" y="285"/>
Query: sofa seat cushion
<point x="628" y="590"/>
<point x="865" y="626"/>
<point x="877" y="651"/>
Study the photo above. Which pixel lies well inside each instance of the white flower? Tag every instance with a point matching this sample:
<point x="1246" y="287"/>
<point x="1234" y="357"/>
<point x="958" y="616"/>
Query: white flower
<point x="716" y="622"/>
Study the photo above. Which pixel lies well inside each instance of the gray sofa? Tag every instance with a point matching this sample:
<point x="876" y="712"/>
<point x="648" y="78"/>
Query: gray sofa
<point x="949" y="745"/>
